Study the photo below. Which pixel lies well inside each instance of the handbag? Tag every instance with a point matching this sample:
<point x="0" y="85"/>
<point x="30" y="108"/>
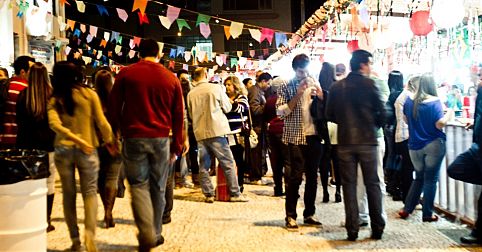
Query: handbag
<point x="248" y="132"/>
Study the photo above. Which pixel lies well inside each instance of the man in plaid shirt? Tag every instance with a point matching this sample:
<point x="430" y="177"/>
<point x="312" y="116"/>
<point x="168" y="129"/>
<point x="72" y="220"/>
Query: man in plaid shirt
<point x="304" y="143"/>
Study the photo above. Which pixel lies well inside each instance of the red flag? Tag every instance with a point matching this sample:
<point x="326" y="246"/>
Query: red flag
<point x="143" y="18"/>
<point x="172" y="64"/>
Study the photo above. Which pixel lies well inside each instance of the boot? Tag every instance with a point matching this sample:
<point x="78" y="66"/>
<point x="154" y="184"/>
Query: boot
<point x="50" y="203"/>
<point x="337" y="195"/>
<point x="110" y="194"/>
<point x="326" y="196"/>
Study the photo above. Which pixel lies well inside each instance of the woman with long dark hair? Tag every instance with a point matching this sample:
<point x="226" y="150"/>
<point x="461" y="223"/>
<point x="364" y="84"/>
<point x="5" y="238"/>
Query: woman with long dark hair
<point x="425" y="119"/>
<point x="110" y="165"/>
<point x="74" y="113"/>
<point x="33" y="125"/>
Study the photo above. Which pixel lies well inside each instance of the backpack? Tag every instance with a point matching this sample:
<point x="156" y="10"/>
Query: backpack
<point x="4" y="86"/>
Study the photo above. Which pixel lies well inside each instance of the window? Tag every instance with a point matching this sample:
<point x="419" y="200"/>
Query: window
<point x="247" y="4"/>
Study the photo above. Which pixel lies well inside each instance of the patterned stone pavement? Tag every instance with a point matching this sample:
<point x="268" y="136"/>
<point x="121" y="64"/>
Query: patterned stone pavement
<point x="259" y="226"/>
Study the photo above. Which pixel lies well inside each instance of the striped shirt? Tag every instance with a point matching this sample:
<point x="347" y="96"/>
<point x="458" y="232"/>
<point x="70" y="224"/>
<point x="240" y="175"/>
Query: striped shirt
<point x="401" y="132"/>
<point x="9" y="135"/>
<point x="240" y="107"/>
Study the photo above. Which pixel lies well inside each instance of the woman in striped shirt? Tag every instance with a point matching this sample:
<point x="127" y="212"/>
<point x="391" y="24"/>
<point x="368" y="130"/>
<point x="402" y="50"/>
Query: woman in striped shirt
<point x="236" y="118"/>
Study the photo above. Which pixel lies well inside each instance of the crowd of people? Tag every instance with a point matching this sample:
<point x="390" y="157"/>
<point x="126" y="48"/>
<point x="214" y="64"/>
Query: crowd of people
<point x="151" y="126"/>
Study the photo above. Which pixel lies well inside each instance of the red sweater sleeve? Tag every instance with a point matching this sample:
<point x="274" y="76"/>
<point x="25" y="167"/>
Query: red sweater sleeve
<point x="177" y="115"/>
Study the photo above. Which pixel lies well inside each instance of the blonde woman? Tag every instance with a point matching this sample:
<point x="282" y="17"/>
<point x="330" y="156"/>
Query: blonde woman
<point x="33" y="126"/>
<point x="74" y="112"/>
<point x="237" y="117"/>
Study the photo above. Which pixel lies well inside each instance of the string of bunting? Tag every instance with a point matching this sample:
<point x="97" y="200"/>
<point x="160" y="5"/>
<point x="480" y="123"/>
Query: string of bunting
<point x="116" y="39"/>
<point x="234" y="30"/>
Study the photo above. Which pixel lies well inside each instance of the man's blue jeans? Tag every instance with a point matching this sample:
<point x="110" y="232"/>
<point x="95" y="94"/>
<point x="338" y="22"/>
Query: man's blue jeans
<point x="147" y="169"/>
<point x="219" y="147"/>
<point x="426" y="163"/>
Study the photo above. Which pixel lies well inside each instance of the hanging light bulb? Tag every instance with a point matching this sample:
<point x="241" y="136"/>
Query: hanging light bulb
<point x="179" y="34"/>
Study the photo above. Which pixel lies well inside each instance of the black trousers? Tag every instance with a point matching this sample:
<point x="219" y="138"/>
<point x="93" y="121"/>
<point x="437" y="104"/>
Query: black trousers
<point x="467" y="167"/>
<point x="192" y="160"/>
<point x="303" y="159"/>
<point x="278" y="156"/>
<point x="406" y="171"/>
<point x="257" y="157"/>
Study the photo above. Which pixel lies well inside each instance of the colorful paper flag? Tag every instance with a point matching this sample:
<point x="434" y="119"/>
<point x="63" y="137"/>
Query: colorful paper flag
<point x="239" y="53"/>
<point x="117" y="49"/>
<point x="226" y="32"/>
<point x="165" y="22"/>
<point x="77" y="33"/>
<point x="83" y="28"/>
<point x="115" y="36"/>
<point x="236" y="29"/>
<point x="132" y="44"/>
<point x="107" y="36"/>
<point x="143" y="18"/>
<point x="172" y="54"/>
<point x="63" y="2"/>
<point x="181" y="23"/>
<point x="122" y="14"/>
<point x="180" y="51"/>
<point x="102" y="10"/>
<point x="234" y="62"/>
<point x="99" y="55"/>
<point x="103" y="43"/>
<point x="185" y="67"/>
<point x="137" y="41"/>
<point x="255" y="34"/>
<point x="219" y="60"/>
<point x="172" y="64"/>
<point x="187" y="56"/>
<point x="172" y="13"/>
<point x="267" y="34"/>
<point x="201" y="18"/>
<point x="70" y="24"/>
<point x="67" y="50"/>
<point x="141" y="5"/>
<point x="161" y="46"/>
<point x="205" y="29"/>
<point x="252" y="53"/>
<point x="119" y="41"/>
<point x="89" y="38"/>
<point x="281" y="39"/>
<point x="93" y="30"/>
<point x="132" y="53"/>
<point x="242" y="61"/>
<point x="80" y="6"/>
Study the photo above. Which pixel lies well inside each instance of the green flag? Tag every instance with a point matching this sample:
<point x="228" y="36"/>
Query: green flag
<point x="181" y="23"/>
<point x="201" y="18"/>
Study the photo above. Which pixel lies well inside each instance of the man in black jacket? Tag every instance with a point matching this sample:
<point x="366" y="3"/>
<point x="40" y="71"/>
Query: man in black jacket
<point x="355" y="104"/>
<point x="467" y="167"/>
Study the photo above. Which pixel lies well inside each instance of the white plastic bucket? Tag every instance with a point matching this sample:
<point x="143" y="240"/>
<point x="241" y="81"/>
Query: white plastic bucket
<point x="23" y="216"/>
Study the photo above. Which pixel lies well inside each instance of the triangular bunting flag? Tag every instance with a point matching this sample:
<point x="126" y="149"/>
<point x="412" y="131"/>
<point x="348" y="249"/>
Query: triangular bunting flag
<point x="236" y="29"/>
<point x="181" y="23"/>
<point x="77" y="33"/>
<point x="64" y="2"/>
<point x="102" y="10"/>
<point x="205" y="30"/>
<point x="87" y="60"/>
<point x="234" y="62"/>
<point x="239" y="53"/>
<point x="80" y="6"/>
<point x="107" y="36"/>
<point x="103" y="43"/>
<point x="172" y="54"/>
<point x="224" y="58"/>
<point x="252" y="53"/>
<point x="187" y="56"/>
<point x="115" y="36"/>
<point x="185" y="67"/>
<point x="219" y="60"/>
<point x="89" y="38"/>
<point x="281" y="39"/>
<point x="172" y="13"/>
<point x="118" y="48"/>
<point x="122" y="14"/>
<point x="180" y="51"/>
<point x="132" y="53"/>
<point x="201" y="55"/>
<point x="99" y="55"/>
<point x="83" y="28"/>
<point x="70" y="24"/>
<point x="143" y="18"/>
<point x="242" y="61"/>
<point x="201" y="18"/>
<point x="226" y="32"/>
<point x="67" y="50"/>
<point x="165" y="22"/>
<point x="93" y="30"/>
<point x="137" y="41"/>
<point x="255" y="34"/>
<point x="161" y="46"/>
<point x="267" y="34"/>
<point x="132" y="44"/>
<point x="172" y="64"/>
<point x="141" y="5"/>
<point x="120" y="40"/>
<point x="215" y="68"/>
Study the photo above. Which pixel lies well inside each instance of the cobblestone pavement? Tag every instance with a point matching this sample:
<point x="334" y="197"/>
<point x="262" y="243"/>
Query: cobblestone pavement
<point x="259" y="226"/>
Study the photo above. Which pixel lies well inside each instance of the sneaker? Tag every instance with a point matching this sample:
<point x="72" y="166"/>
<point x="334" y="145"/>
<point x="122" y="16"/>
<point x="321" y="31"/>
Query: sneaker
<point x="311" y="220"/>
<point x="403" y="214"/>
<point x="291" y="223"/>
<point x="188" y="184"/>
<point x="239" y="198"/>
<point x="470" y="239"/>
<point x="209" y="199"/>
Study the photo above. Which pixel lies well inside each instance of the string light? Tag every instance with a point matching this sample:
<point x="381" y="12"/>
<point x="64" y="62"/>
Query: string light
<point x="179" y="34"/>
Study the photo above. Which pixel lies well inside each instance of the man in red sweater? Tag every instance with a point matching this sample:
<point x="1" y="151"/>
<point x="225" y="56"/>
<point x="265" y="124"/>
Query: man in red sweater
<point x="145" y="104"/>
<point x="8" y="134"/>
